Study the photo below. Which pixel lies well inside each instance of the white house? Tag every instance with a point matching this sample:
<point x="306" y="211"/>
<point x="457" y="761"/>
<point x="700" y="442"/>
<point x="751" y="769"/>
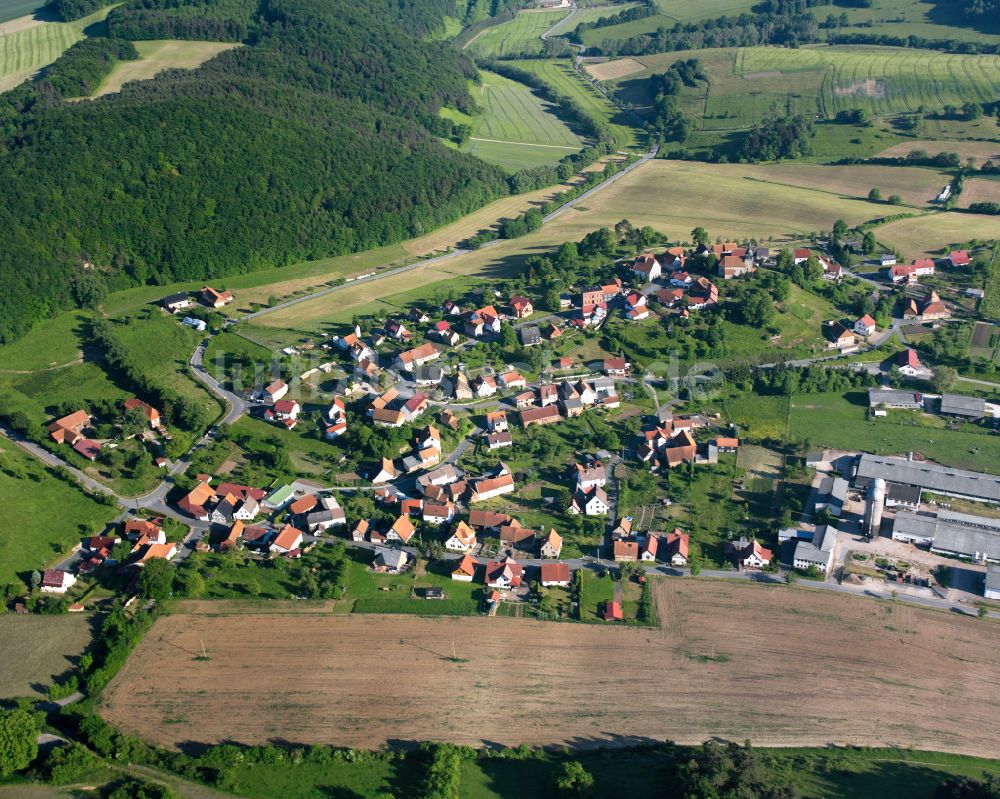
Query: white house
<point x="589" y="502"/>
<point x="288" y="539"/>
<point x="462" y="539"/>
<point x="865" y="326"/>
<point x="647" y="268"/>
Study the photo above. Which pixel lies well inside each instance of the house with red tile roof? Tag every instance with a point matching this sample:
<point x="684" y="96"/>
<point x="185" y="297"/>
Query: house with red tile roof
<point x="555" y="574"/>
<point x="67" y="429"/>
<point x="647" y="268"/>
<point x="506" y="573"/>
<point x="748" y="554"/>
<point x="465" y="570"/>
<point x="152" y="415"/>
<point x="215" y="299"/>
<point x="865" y="326"/>
<point x="959" y="258"/>
<point x="675" y="547"/>
<point x="521" y="306"/>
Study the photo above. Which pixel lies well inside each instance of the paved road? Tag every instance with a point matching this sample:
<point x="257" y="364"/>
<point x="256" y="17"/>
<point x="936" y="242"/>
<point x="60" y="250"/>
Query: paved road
<point x="463" y="446"/>
<point x="236" y="406"/>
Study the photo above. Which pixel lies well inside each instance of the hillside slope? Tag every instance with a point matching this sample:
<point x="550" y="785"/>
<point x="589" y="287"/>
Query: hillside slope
<point x="310" y="141"/>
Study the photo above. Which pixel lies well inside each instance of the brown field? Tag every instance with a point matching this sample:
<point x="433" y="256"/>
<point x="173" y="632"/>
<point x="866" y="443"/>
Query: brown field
<point x="780" y="666"/>
<point x="980" y="150"/>
<point x="46" y="646"/>
<point x="934" y="233"/>
<point x="978" y="190"/>
<point x="613" y="70"/>
<point x="157" y="56"/>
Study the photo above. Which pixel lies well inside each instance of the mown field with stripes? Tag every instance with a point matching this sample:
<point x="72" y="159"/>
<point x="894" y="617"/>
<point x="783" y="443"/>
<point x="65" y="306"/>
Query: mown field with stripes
<point x="520" y="35"/>
<point x="882" y="80"/>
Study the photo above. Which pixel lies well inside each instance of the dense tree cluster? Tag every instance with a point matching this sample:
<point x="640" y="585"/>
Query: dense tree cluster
<point x="81" y="69"/>
<point x="915" y="42"/>
<point x="787" y="137"/>
<point x="987" y="9"/>
<point x="667" y="119"/>
<point x="68" y="10"/>
<point x="728" y="771"/>
<point x="745" y="30"/>
<point x="221" y="20"/>
<point x="304" y="144"/>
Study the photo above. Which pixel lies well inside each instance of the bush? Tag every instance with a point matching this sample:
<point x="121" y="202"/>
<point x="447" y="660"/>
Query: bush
<point x="68" y="764"/>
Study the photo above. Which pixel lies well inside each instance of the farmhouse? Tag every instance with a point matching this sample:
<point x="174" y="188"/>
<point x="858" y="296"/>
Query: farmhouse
<point x="818" y="552"/>
<point x="748" y="554"/>
<point x="67" y="429"/>
<point x="418" y="356"/>
<point x="626" y="551"/>
<point x="521" y="307"/>
<point x="647" y="268"/>
<point x="176" y="302"/>
<point x="274" y="391"/>
<point x="462" y="539"/>
<point x="56" y="581"/>
<point x="287" y="542"/>
<point x="838" y="336"/>
<point x="465" y="570"/>
<point x="488" y="519"/>
<point x="543" y="416"/>
<point x="198" y="501"/>
<point x="442" y="332"/>
<point x="909" y="363"/>
<point x="588" y="476"/>
<point x="402" y="530"/>
<point x="152" y="415"/>
<point x="616" y="367"/>
<point x="215" y="299"/>
<point x="958" y="258"/>
<point x="590" y="502"/>
<point x="555" y="574"/>
<point x="284" y="412"/>
<point x="483" y="490"/>
<point x="675" y="549"/>
<point x="496" y="441"/>
<point x="530" y="335"/>
<point x="551" y="545"/>
<point x="514" y="536"/>
<point x="864" y="326"/>
<point x="504" y="574"/>
<point x="390" y="561"/>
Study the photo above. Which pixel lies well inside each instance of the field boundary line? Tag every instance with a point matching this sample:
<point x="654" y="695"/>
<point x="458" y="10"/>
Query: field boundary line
<point x="525" y="143"/>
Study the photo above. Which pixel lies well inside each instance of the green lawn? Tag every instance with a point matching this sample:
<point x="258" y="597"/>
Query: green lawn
<point x="165" y="346"/>
<point x="51" y="515"/>
<point x="594" y="593"/>
<point x="520" y="35"/>
<point x="591" y="15"/>
<point x="52" y="343"/>
<point x="839" y="420"/>
<point x="759" y="417"/>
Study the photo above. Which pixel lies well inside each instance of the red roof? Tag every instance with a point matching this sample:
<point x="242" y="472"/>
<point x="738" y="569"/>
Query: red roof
<point x="908" y="357"/>
<point x="613" y="611"/>
<point x="959" y="257"/>
<point x="555" y="572"/>
<point x="867" y="320"/>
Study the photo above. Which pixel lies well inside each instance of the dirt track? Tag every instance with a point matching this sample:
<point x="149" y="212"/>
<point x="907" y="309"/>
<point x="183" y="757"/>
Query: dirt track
<point x="777" y="665"/>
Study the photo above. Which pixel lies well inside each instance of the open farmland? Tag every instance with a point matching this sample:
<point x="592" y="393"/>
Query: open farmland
<point x="591" y="14"/>
<point x="671" y="196"/>
<point x="28" y="44"/>
<point x="982" y="151"/>
<point x="157" y="56"/>
<point x="520" y="35"/>
<point x="614" y="70"/>
<point x="877" y="674"/>
<point x="979" y="190"/>
<point x="561" y="76"/>
<point x="882" y="80"/>
<point x="934" y="233"/>
<point x="46" y="647"/>
<point x="517" y="129"/>
<point x="917" y="186"/>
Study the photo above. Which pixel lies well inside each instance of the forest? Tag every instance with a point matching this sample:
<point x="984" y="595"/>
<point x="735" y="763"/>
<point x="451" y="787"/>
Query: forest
<point x="303" y="144"/>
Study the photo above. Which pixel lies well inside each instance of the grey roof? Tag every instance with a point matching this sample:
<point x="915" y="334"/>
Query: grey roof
<point x="392" y="558"/>
<point x="942" y="479"/>
<point x="326" y="515"/>
<point x="573" y="402"/>
<point x="968" y="541"/>
<point x="956" y="533"/>
<point x="839" y="489"/>
<point x="530" y="334"/>
<point x="917" y="525"/>
<point x="172" y="298"/>
<point x="890" y="396"/>
<point x="909" y="495"/>
<point x="993" y="578"/>
<point x="820" y="549"/>
<point x="960" y="405"/>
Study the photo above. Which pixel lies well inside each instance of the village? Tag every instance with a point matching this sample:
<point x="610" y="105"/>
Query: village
<point x="423" y="500"/>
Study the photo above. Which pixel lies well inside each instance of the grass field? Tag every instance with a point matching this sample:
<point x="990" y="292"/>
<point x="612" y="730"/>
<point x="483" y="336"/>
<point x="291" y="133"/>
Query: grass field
<point x="516" y="129"/>
<point x="917" y="186"/>
<point x="12" y="9"/>
<point x="157" y="56"/>
<point x="840" y="420"/>
<point x="882" y="80"/>
<point x="55" y="343"/>
<point x="520" y="35"/>
<point x="934" y="233"/>
<point x="46" y="646"/>
<point x="567" y="680"/>
<point x="979" y="190"/>
<point x="29" y="44"/>
<point x="166" y="345"/>
<point x="52" y="516"/>
<point x="559" y="74"/>
<point x="591" y="14"/>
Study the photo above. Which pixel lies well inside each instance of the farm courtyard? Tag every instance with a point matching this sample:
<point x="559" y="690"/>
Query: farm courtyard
<point x="780" y="666"/>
